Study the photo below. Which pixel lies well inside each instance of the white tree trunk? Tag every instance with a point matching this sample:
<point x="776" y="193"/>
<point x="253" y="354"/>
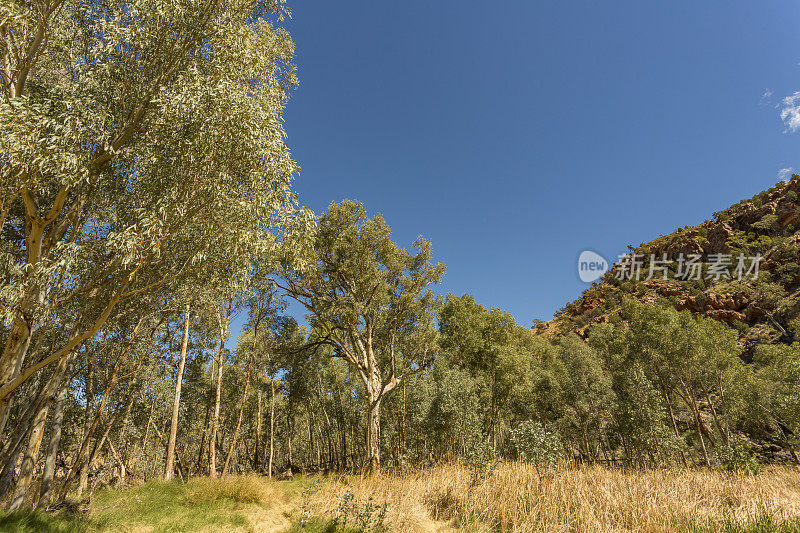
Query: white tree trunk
<point x="169" y="465"/>
<point x="212" y="443"/>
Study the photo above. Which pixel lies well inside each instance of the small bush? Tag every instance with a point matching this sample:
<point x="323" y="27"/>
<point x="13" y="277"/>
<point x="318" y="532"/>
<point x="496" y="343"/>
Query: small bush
<point x="768" y="222"/>
<point x="365" y="514"/>
<point x="736" y="457"/>
<point x="535" y="444"/>
<point x="479" y="457"/>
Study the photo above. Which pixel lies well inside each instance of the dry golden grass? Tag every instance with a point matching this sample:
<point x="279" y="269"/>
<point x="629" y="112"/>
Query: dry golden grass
<point x="521" y="498"/>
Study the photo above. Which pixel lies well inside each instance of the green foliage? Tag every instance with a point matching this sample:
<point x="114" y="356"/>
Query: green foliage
<point x="572" y="390"/>
<point x="768" y="222"/>
<point x="447" y="408"/>
<point x="663" y="360"/>
<point x="764" y="523"/>
<point x="490" y="347"/>
<point x="136" y="172"/>
<point x="778" y="371"/>
<point x="535" y="444"/>
<point x="480" y="457"/>
<point x="305" y="507"/>
<point x="737" y="457"/>
<point x="366" y="515"/>
<point x="641" y="419"/>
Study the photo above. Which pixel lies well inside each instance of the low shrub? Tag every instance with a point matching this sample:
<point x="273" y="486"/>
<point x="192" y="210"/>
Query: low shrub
<point x="535" y="444"/>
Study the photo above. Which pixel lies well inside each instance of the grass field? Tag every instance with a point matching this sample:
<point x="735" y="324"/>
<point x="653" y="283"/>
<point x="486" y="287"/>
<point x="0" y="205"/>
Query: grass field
<point x="513" y="497"/>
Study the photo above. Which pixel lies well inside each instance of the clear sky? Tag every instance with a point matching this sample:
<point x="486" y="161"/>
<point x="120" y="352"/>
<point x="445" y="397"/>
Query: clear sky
<point x="515" y="134"/>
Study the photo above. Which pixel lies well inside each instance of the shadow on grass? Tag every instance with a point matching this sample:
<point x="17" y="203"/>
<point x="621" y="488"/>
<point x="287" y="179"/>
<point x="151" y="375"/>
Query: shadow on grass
<point x="761" y="524"/>
<point x="321" y="525"/>
<point x="36" y="521"/>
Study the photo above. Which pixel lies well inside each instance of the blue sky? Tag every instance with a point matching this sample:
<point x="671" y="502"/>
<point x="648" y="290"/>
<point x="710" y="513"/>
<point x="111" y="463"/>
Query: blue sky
<point x="515" y="134"/>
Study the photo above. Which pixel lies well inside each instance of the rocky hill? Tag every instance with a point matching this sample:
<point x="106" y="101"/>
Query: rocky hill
<point x="764" y="307"/>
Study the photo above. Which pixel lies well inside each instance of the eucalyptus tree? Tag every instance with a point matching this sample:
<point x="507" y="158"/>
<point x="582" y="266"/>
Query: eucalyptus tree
<point x="368" y="300"/>
<point x="492" y="347"/>
<point x="778" y="373"/>
<point x="447" y="416"/>
<point x="693" y="359"/>
<point x="587" y="395"/>
<point x="215" y="307"/>
<point x="253" y="350"/>
<point x="169" y="463"/>
<point x="131" y="128"/>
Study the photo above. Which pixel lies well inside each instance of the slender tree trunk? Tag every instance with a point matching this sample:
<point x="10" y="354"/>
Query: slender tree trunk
<point x="123" y="446"/>
<point x="169" y="466"/>
<point x="289" y="431"/>
<point x="212" y="442"/>
<point x="9" y="470"/>
<point x="30" y="458"/>
<point x="256" y="447"/>
<point x="311" y="443"/>
<point x="83" y="457"/>
<point x="105" y="437"/>
<point x="120" y="462"/>
<point x="328" y="436"/>
<point x="403" y="421"/>
<point x="31" y="455"/>
<point x="698" y="424"/>
<point x="674" y="423"/>
<point x="146" y="436"/>
<point x="19" y="338"/>
<point x="46" y="489"/>
<point x="82" y="460"/>
<point x="13" y="441"/>
<point x="232" y="448"/>
<point x="716" y="419"/>
<point x="271" y="425"/>
<point x="198" y="465"/>
<point x="342" y="424"/>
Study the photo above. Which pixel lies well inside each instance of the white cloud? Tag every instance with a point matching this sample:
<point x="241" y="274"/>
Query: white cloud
<point x="767" y="94"/>
<point x="785" y="173"/>
<point x="790" y="113"/>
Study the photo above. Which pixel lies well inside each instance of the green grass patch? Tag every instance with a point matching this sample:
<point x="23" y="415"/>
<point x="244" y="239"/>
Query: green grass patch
<point x="165" y="507"/>
<point x="202" y="503"/>
<point x="38" y="522"/>
<point x="316" y="524"/>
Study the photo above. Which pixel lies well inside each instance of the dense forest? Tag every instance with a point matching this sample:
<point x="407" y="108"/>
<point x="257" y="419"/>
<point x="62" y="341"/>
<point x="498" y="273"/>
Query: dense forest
<point x="147" y="205"/>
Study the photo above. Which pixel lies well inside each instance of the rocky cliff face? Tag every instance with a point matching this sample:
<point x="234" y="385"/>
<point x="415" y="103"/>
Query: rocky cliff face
<point x="764" y="309"/>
